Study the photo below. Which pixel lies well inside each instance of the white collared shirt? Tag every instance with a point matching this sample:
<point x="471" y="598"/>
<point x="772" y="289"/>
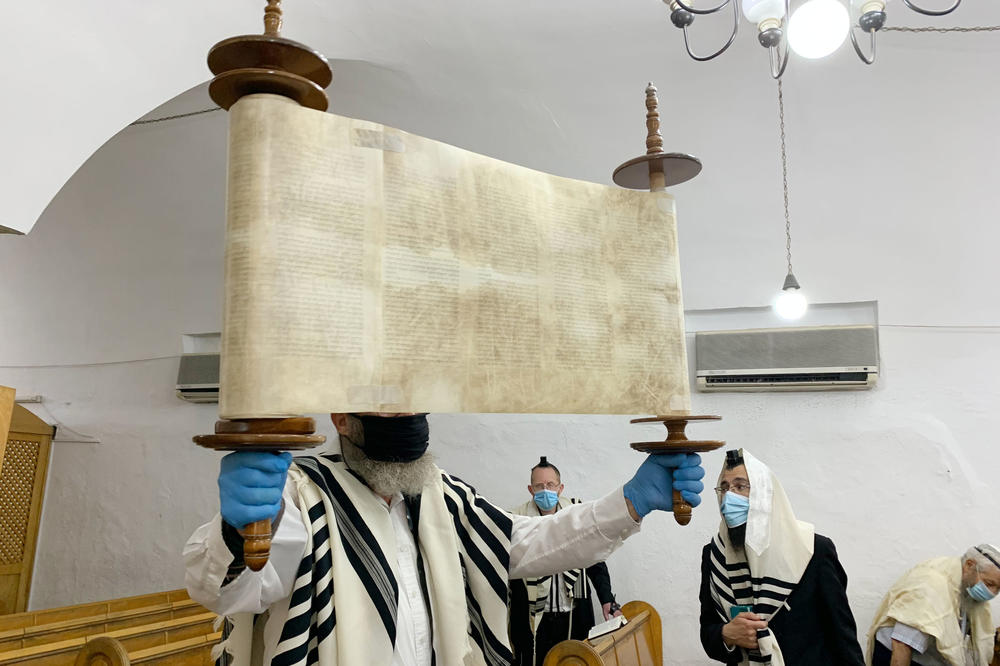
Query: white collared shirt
<point x="413" y="645"/>
<point x="922" y="644"/>
<point x="589" y="531"/>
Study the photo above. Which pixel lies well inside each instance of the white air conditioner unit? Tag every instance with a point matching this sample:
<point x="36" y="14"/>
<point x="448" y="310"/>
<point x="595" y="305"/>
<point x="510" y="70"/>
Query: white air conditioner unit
<point x="198" y="378"/>
<point x="825" y="358"/>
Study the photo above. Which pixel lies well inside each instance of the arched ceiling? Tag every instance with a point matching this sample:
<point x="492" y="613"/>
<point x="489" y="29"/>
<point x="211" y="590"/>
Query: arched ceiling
<point x="554" y="74"/>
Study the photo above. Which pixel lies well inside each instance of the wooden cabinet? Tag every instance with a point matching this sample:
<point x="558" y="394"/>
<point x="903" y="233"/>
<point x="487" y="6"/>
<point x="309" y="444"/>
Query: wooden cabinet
<point x="22" y="483"/>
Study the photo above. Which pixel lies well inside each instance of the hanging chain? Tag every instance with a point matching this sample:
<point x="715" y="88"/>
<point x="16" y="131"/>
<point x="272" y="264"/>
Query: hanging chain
<point x="976" y="28"/>
<point x="784" y="178"/>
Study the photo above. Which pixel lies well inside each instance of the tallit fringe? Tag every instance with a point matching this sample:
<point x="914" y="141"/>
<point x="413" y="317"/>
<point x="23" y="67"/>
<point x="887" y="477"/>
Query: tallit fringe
<point x="221" y="647"/>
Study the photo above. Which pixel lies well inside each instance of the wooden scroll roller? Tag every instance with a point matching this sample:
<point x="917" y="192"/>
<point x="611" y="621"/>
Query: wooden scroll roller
<point x="655" y="171"/>
<point x="268" y="63"/>
<point x="248" y="65"/>
<point x="677" y="442"/>
<point x="290" y="434"/>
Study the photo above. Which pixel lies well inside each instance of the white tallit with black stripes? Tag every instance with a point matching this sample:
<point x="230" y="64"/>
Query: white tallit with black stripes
<point x="343" y="605"/>
<point x="574" y="580"/>
<point x="763" y="574"/>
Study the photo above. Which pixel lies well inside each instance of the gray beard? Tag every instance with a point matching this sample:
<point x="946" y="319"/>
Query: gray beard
<point x="389" y="478"/>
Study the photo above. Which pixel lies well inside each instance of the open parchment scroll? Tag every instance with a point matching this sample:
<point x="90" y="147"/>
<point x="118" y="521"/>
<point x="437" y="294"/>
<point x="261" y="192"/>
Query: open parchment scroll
<point x="368" y="269"/>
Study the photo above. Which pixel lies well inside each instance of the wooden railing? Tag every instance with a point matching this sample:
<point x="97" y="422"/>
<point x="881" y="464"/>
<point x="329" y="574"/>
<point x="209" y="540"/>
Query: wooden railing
<point x="162" y="628"/>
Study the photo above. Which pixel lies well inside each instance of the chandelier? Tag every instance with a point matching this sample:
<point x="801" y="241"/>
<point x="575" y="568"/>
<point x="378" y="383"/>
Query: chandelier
<point x="814" y="30"/>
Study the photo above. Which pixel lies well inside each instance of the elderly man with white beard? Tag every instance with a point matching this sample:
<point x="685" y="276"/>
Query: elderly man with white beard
<point x="938" y="613"/>
<point x="379" y="557"/>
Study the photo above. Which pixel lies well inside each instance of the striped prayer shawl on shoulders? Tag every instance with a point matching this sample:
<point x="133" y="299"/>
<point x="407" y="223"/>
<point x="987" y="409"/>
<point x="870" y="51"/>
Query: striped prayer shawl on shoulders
<point x="765" y="572"/>
<point x="539" y="589"/>
<point x="350" y="560"/>
<point x="732" y="584"/>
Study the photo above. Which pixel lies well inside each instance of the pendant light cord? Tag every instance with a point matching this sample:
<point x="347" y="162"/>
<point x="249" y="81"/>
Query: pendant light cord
<point x="784" y="177"/>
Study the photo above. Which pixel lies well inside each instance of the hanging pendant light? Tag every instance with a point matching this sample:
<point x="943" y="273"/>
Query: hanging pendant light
<point x="790" y="303"/>
<point x="816" y="28"/>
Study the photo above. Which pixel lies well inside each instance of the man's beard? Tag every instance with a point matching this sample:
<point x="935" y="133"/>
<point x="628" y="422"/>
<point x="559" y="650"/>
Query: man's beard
<point x="389" y="478"/>
<point x="737" y="536"/>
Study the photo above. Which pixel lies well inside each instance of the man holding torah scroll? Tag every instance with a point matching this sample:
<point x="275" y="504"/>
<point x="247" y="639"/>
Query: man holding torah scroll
<point x="379" y="557"/>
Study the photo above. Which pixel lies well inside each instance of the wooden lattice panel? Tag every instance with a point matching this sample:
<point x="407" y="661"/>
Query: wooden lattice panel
<point x="17" y="478"/>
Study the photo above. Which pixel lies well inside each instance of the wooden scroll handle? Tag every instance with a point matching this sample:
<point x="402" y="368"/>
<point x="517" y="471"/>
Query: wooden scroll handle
<point x="273" y="435"/>
<point x="256" y="544"/>
<point x="682" y="510"/>
<point x="677" y="442"/>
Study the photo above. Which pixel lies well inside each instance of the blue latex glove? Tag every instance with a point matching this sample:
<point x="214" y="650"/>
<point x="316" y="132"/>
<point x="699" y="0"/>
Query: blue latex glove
<point x="250" y="485"/>
<point x="659" y="475"/>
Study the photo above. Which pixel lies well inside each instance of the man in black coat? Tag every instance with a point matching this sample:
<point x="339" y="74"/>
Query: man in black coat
<point x="772" y="590"/>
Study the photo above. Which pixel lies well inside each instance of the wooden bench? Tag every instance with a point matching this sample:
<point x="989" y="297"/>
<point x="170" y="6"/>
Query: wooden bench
<point x="166" y="627"/>
<point x="638" y="643"/>
<point x="107" y="651"/>
<point x="24" y="630"/>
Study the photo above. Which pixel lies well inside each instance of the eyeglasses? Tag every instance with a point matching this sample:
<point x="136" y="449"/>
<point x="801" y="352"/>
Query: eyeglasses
<point x="738" y="487"/>
<point x="551" y="485"/>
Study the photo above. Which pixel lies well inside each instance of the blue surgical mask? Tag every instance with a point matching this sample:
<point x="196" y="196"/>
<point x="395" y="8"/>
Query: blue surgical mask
<point x="735" y="509"/>
<point x="546" y="499"/>
<point x="979" y="592"/>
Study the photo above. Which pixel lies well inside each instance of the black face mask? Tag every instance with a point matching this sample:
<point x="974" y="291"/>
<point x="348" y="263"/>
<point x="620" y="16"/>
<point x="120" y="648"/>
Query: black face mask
<point x="395" y="438"/>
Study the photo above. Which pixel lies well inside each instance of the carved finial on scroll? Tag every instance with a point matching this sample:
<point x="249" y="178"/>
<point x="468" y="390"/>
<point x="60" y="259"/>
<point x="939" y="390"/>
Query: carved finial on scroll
<point x="654" y="140"/>
<point x="270" y="64"/>
<point x="272" y="18"/>
<point x="655" y="170"/>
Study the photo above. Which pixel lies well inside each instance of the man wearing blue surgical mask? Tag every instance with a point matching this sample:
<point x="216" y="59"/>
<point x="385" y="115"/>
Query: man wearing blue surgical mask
<point x="550" y="609"/>
<point x="772" y="589"/>
<point x="380" y="557"/>
<point x="938" y="613"/>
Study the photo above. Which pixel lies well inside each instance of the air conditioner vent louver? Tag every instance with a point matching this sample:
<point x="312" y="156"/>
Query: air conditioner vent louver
<point x="789" y="379"/>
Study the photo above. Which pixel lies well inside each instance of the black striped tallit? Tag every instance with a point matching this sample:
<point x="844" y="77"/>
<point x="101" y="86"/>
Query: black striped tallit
<point x="483" y="534"/>
<point x="484" y="538"/>
<point x="540" y="588"/>
<point x="732" y="584"/>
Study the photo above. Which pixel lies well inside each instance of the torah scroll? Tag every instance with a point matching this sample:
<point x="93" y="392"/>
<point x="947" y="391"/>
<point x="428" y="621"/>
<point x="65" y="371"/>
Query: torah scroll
<point x="368" y="269"/>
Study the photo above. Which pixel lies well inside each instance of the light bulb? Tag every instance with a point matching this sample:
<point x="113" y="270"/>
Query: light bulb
<point x="818" y="27"/>
<point x="790" y="304"/>
<point x="756" y="11"/>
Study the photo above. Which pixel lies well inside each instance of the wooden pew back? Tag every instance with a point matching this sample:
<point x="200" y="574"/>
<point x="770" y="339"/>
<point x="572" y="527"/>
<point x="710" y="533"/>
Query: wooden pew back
<point x="638" y="643"/>
<point x="163" y="628"/>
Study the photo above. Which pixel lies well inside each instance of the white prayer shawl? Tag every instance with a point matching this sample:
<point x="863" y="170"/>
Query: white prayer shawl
<point x="464" y="554"/>
<point x="929" y="598"/>
<point x="763" y="575"/>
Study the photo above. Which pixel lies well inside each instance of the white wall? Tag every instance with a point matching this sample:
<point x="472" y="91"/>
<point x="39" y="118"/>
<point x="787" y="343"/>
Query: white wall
<point x="128" y="257"/>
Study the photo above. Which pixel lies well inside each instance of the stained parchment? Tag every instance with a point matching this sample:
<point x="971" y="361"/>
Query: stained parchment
<point x="368" y="269"/>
